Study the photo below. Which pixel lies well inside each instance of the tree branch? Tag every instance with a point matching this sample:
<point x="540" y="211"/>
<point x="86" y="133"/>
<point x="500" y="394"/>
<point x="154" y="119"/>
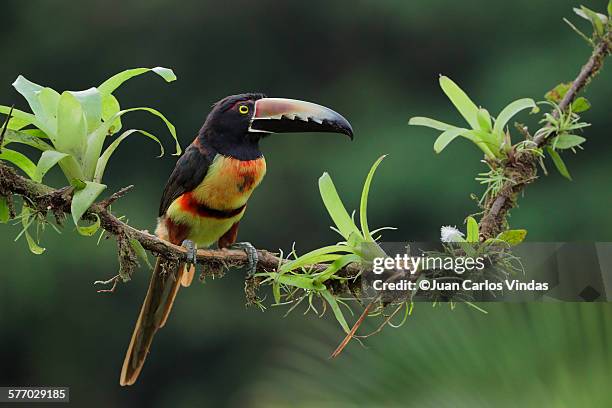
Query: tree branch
<point x="587" y="73"/>
<point x="522" y="168"/>
<point x="44" y="199"/>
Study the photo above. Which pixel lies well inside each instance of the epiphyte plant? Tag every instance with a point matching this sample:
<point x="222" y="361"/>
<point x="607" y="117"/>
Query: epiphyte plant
<point x="70" y="129"/>
<point x="489" y="134"/>
<point x="294" y="281"/>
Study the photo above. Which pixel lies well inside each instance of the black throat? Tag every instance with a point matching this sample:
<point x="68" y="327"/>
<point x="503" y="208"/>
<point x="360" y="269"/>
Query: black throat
<point x="241" y="147"/>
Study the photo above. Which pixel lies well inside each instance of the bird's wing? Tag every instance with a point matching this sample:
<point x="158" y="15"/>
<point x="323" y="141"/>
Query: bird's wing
<point x="188" y="173"/>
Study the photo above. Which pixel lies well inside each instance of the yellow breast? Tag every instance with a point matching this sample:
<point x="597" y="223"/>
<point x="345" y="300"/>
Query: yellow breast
<point x="227" y="186"/>
<point x="229" y="182"/>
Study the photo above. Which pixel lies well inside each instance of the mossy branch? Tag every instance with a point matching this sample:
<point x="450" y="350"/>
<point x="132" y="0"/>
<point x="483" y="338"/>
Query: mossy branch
<point x="46" y="199"/>
<point x="521" y="168"/>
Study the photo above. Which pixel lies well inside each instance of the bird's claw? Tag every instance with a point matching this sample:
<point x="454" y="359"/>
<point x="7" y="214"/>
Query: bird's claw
<point x="192" y="250"/>
<point x="252" y="257"/>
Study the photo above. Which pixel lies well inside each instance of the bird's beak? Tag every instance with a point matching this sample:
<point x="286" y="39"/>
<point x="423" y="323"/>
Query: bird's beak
<point x="278" y="115"/>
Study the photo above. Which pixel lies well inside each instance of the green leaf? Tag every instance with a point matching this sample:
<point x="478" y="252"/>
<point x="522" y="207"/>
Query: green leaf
<point x="29" y="90"/>
<point x="297" y="281"/>
<point x="91" y="103"/>
<point x="140" y="251"/>
<point x="26" y="222"/>
<point x="597" y="20"/>
<point x="473" y="234"/>
<point x="588" y="14"/>
<point x="20" y="118"/>
<point x="581" y="13"/>
<point x="78" y="184"/>
<point x="559" y="164"/>
<point x="610" y="8"/>
<point x="47" y="160"/>
<point x="336" y="209"/>
<point x="566" y="141"/>
<point x="313" y="257"/>
<point x="165" y="73"/>
<point x="513" y="237"/>
<point x="558" y="92"/>
<point x="581" y="104"/>
<point x="95" y="141"/>
<point x="19" y="160"/>
<point x="71" y="127"/>
<point x="169" y="125"/>
<point x="69" y="165"/>
<point x="336" y="265"/>
<point x="481" y="138"/>
<point x="110" y="107"/>
<point x="4" y="211"/>
<point x="43" y="114"/>
<point x="35" y="132"/>
<point x="17" y="123"/>
<point x="446" y="137"/>
<point x="110" y="104"/>
<point x="103" y="160"/>
<point x="462" y="102"/>
<point x="489" y="143"/>
<point x="368" y="251"/>
<point x="91" y="229"/>
<point x="509" y="111"/>
<point x="331" y="257"/>
<point x="336" y="309"/>
<point x="363" y="207"/>
<point x="83" y="199"/>
<point x="276" y="292"/>
<point x="72" y="169"/>
<point x="33" y="245"/>
<point x="114" y="82"/>
<point x="49" y="101"/>
<point x="430" y="123"/>
<point x="484" y="120"/>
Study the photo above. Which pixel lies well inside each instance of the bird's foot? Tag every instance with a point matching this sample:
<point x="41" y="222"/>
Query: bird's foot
<point x="252" y="257"/>
<point x="192" y="250"/>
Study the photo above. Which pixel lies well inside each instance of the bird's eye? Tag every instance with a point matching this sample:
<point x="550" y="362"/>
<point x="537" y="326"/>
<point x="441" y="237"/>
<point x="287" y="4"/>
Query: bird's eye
<point x="243" y="109"/>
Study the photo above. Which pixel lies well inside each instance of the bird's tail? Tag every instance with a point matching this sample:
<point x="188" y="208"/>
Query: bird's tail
<point x="157" y="305"/>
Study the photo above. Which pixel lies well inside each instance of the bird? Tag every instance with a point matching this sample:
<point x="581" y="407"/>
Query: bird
<point x="206" y="196"/>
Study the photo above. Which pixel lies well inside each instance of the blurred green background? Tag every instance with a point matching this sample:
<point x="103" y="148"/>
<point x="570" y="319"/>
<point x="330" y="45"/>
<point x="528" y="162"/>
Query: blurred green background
<point x="377" y="63"/>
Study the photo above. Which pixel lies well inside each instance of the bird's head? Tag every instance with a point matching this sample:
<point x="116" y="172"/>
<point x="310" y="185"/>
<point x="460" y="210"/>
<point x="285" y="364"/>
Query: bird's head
<point x="244" y="119"/>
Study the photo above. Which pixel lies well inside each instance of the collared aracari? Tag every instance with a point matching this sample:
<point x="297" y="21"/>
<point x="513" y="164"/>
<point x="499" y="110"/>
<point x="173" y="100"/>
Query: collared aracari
<point x="206" y="195"/>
